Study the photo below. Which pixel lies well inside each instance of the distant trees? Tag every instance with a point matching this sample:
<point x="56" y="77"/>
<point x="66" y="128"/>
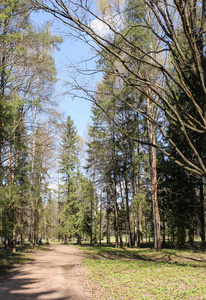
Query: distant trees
<point x="146" y="147"/>
<point x="118" y="163"/>
<point x="157" y="50"/>
<point x="27" y="78"/>
<point x="77" y="191"/>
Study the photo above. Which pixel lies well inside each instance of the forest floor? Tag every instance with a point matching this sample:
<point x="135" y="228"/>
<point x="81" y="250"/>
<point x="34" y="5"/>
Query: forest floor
<point x="55" y="273"/>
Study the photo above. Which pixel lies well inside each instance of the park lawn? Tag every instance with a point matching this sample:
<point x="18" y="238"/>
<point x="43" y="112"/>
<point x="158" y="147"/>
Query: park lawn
<point x="146" y="274"/>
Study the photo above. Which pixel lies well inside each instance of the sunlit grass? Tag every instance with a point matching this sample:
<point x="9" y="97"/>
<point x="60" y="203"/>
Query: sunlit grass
<point x="146" y="274"/>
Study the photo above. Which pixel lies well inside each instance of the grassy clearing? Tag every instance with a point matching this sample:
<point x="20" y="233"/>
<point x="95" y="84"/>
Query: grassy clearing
<point x="146" y="274"/>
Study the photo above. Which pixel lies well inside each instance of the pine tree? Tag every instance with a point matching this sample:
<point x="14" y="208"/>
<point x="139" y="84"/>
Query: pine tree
<point x="68" y="164"/>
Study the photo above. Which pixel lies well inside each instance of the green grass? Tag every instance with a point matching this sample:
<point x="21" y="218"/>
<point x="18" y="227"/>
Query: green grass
<point x="146" y="274"/>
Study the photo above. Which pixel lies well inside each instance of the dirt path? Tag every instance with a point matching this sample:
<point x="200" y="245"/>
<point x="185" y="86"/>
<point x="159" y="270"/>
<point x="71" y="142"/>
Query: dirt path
<point x="54" y="274"/>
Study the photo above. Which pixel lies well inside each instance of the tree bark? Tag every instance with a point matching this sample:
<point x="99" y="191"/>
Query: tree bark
<point x="117" y="225"/>
<point x="156" y="215"/>
<point x="32" y="177"/>
<point x="108" y="217"/>
<point x="2" y="91"/>
<point x="202" y="215"/>
<point x="91" y="216"/>
<point x="128" y="212"/>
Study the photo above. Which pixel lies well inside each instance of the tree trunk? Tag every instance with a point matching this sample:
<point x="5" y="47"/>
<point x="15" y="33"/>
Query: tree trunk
<point x="78" y="239"/>
<point x="100" y="224"/>
<point x="140" y="229"/>
<point x="114" y="191"/>
<point x="2" y="91"/>
<point x="100" y="221"/>
<point x="135" y="227"/>
<point x="13" y="240"/>
<point x="156" y="215"/>
<point x="117" y="225"/>
<point x="32" y="177"/>
<point x="128" y="212"/>
<point x="108" y="217"/>
<point x="202" y="215"/>
<point x="22" y="238"/>
<point x="35" y="226"/>
<point x="11" y="208"/>
<point x="191" y="232"/>
<point x="95" y="219"/>
<point x="59" y="220"/>
<point x="91" y="216"/>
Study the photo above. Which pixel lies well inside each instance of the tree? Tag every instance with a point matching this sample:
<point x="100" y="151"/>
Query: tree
<point x="75" y="215"/>
<point x="10" y="52"/>
<point x="68" y="163"/>
<point x="109" y="151"/>
<point x="175" y="22"/>
<point x="68" y="151"/>
<point x="177" y="58"/>
<point x="25" y="61"/>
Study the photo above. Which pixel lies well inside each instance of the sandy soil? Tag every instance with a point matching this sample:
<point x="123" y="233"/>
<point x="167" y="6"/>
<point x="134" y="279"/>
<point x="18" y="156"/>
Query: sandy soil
<point x="54" y="274"/>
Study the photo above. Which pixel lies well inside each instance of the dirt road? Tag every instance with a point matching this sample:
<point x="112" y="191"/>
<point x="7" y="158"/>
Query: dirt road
<point x="54" y="274"/>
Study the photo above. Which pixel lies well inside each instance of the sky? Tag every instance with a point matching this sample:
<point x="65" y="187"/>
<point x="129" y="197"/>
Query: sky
<point x="71" y="51"/>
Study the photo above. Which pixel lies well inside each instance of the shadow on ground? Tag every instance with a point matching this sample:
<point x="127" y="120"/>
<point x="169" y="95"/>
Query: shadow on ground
<point x="170" y="257"/>
<point x="21" y="288"/>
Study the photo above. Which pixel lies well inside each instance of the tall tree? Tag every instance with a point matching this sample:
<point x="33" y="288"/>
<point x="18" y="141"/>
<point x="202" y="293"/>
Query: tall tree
<point x="68" y="161"/>
<point x="25" y="61"/>
<point x="169" y="17"/>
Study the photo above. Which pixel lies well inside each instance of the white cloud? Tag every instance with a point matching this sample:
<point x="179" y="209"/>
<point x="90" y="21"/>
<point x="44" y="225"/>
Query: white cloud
<point x="101" y="28"/>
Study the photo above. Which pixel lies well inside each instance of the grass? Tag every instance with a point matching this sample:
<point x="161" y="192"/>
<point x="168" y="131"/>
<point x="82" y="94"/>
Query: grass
<point x="146" y="274"/>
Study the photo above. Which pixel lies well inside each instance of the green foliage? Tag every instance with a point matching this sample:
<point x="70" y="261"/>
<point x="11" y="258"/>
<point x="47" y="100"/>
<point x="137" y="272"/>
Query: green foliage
<point x="114" y="155"/>
<point x="7" y="8"/>
<point x="76" y="212"/>
<point x="78" y="190"/>
<point x="26" y="62"/>
<point x="68" y="150"/>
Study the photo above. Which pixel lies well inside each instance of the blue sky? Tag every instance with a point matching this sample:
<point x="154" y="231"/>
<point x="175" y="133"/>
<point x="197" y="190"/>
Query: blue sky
<point x="71" y="51"/>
